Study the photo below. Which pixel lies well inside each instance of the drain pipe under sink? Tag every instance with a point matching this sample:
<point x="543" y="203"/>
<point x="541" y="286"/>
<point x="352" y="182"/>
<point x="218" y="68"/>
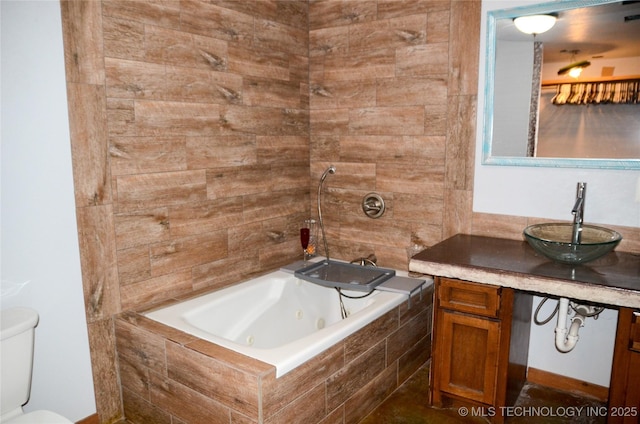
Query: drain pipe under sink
<point x="566" y="342"/>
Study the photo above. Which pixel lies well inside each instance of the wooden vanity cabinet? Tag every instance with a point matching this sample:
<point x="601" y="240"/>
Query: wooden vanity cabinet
<point x="624" y="389"/>
<point x="480" y="345"/>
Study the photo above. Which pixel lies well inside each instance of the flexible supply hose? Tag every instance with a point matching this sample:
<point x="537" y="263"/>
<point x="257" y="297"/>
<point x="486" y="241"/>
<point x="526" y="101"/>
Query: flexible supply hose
<point x="546" y="320"/>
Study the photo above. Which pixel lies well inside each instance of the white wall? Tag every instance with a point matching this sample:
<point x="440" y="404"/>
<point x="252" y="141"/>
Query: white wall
<point x="40" y="264"/>
<point x="612" y="195"/>
<point x="512" y="97"/>
<point x="612" y="198"/>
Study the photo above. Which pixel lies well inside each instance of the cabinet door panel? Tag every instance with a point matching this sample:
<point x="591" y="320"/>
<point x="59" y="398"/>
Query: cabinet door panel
<point x="633" y="390"/>
<point x="469" y="349"/>
<point x="624" y="390"/>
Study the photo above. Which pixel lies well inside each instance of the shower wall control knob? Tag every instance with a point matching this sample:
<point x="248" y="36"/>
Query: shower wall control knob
<point x="373" y="205"/>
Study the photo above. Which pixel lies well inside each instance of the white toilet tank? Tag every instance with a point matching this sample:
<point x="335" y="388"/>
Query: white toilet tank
<point x="16" y="359"/>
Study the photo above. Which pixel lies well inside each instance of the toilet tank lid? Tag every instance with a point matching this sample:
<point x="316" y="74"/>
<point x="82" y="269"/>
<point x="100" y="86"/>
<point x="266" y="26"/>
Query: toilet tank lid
<point x="17" y="320"/>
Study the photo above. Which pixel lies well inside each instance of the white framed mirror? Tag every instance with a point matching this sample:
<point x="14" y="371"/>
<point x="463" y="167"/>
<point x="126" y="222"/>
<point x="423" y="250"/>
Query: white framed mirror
<point x="523" y="127"/>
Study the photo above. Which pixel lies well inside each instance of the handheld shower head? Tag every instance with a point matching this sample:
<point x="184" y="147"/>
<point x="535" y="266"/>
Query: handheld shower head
<point x="330" y="170"/>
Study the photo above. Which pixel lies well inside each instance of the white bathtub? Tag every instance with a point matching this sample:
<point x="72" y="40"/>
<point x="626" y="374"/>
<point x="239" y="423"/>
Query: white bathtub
<point x="276" y="318"/>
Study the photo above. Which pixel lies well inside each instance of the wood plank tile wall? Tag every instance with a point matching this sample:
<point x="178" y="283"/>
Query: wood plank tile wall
<point x="190" y="138"/>
<point x="393" y="93"/>
<point x="199" y="130"/>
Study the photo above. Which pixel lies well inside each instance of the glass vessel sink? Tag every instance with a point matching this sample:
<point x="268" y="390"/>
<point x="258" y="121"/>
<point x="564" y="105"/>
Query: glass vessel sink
<point x="554" y="242"/>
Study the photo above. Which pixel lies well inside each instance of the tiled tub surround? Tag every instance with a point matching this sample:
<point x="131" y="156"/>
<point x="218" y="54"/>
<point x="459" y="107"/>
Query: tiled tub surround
<point x="169" y="376"/>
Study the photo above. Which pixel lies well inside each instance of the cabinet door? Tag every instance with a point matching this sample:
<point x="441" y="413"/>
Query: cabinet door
<point x="632" y="399"/>
<point x="631" y="411"/>
<point x="624" y="390"/>
<point x="468" y="347"/>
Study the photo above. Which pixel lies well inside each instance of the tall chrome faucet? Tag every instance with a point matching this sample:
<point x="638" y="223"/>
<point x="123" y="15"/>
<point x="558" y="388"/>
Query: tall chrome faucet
<point x="578" y="213"/>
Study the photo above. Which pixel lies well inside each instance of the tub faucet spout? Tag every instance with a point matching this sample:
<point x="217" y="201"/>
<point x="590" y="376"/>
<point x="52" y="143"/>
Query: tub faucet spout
<point x="578" y="213"/>
<point x="370" y="260"/>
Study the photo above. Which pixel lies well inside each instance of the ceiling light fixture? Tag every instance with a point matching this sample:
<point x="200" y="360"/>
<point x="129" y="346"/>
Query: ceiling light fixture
<point x="534" y="24"/>
<point x="574" y="69"/>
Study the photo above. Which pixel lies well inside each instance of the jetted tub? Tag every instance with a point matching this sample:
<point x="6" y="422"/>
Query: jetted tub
<point x="276" y="318"/>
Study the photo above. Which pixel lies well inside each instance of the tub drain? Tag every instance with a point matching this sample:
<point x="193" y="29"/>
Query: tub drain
<point x="299" y="314"/>
<point x="320" y="323"/>
<point x="250" y="340"/>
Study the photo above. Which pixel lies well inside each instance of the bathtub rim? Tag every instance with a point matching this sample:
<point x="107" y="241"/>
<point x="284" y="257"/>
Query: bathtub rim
<point x="306" y="347"/>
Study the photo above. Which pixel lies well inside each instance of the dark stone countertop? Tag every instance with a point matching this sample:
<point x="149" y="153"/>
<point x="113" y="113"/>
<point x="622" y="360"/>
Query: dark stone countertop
<point x="613" y="279"/>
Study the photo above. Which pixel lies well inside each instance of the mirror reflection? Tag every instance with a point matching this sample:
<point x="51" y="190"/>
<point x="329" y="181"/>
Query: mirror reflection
<point x="568" y="96"/>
